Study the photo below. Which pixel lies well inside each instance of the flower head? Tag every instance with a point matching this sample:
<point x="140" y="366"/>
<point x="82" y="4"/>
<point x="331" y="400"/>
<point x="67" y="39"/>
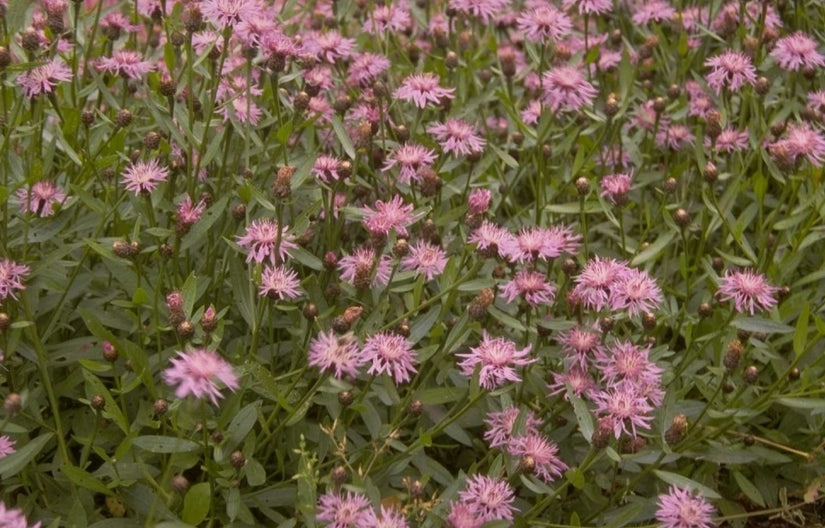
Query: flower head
<point x="732" y="70"/>
<point x="126" y="63"/>
<point x="421" y="88"/>
<point x="340" y="511"/>
<point x="532" y="286"/>
<point x="566" y="89"/>
<point x="337" y="354"/>
<point x="366" y="67"/>
<point x="42" y="200"/>
<point x="11" y="278"/>
<point x="410" y="158"/>
<point x="680" y="508"/>
<point x="14" y="518"/>
<point x="6" y="447"/>
<point x="390" y="354"/>
<point x="393" y="215"/>
<point x="498" y="358"/>
<point x="615" y="187"/>
<point x="223" y="13"/>
<point x="491" y="239"/>
<point x="635" y="292"/>
<point x="491" y="498"/>
<point x="457" y="137"/>
<point x="625" y="407"/>
<point x="326" y="168"/>
<point x="544" y="22"/>
<point x="196" y="372"/>
<point x="543" y="454"/>
<point x="389" y="517"/>
<point x="189" y="212"/>
<point x="500" y="426"/>
<point x="425" y="259"/>
<point x="797" y="51"/>
<point x="280" y="282"/>
<point x="265" y="238"/>
<point x="144" y="176"/>
<point x="748" y="290"/>
<point x="484" y="10"/>
<point x="43" y="79"/>
<point x="594" y="283"/>
<point x="362" y="269"/>
<point x="589" y="7"/>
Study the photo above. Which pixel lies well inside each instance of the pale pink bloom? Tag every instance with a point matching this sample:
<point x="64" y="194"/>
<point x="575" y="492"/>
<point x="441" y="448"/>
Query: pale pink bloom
<point x="241" y="108"/>
<point x="680" y="508"/>
<point x="484" y="10"/>
<point x="189" y="212"/>
<point x="366" y="68"/>
<point x="115" y="23"/>
<point x="732" y="70"/>
<point x="339" y="511"/>
<point x="500" y="425"/>
<point x="491" y="239"/>
<point x="329" y="46"/>
<point x="648" y="11"/>
<point x="389" y="517"/>
<point x="626" y="408"/>
<point x="594" y="283"/>
<point x="491" y="498"/>
<point x="43" y="79"/>
<point x="624" y="362"/>
<point x="533" y="243"/>
<point x="457" y="137"/>
<point x="635" y="292"/>
<point x="816" y="100"/>
<point x="6" y="448"/>
<point x="390" y="354"/>
<point x="14" y="518"/>
<point x="393" y="215"/>
<point x="645" y="117"/>
<point x="797" y="51"/>
<point x="532" y="112"/>
<point x="394" y="18"/>
<point x="498" y="358"/>
<point x="478" y="201"/>
<point x="615" y="187"/>
<point x="421" y="88"/>
<point x="748" y="290"/>
<point x="463" y="516"/>
<point x="674" y="137"/>
<point x="126" y="63"/>
<point x="543" y="452"/>
<point x="197" y="371"/>
<point x="411" y="158"/>
<point x="425" y="259"/>
<point x="251" y="30"/>
<point x="730" y="140"/>
<point x="42" y="199"/>
<point x="577" y="343"/>
<point x="566" y="89"/>
<point x="730" y="18"/>
<point x="144" y="176"/>
<point x="532" y="286"/>
<point x="265" y="238"/>
<point x="544" y="22"/>
<point x="223" y="13"/>
<point x="589" y="7"/>
<point x="339" y="355"/>
<point x="326" y="168"/>
<point x="361" y="268"/>
<point x="803" y="140"/>
<point x="280" y="282"/>
<point x="579" y="381"/>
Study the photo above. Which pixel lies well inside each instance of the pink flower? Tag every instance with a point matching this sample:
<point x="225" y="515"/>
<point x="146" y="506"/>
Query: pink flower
<point x="615" y="188"/>
<point x="421" y="88"/>
<point x="674" y="137"/>
<point x="730" y="140"/>
<point x="589" y="7"/>
<point x="748" y="290"/>
<point x="189" y="213"/>
<point x="594" y="283"/>
<point x="532" y="113"/>
<point x="43" y="199"/>
<point x="478" y="201"/>
<point x="223" y="13"/>
<point x="577" y="379"/>
<point x="395" y="18"/>
<point x="411" y="158"/>
<point x="543" y="453"/>
<point x="6" y="447"/>
<point x="326" y="168"/>
<point x="457" y="137"/>
<point x="11" y="278"/>
<point x="625" y="407"/>
<point x="636" y="292"/>
<point x="366" y="67"/>
<point x="484" y="10"/>
<point x="497" y="358"/>
<point x="389" y="517"/>
<point x="491" y="240"/>
<point x="797" y="51"/>
<point x="337" y="354"/>
<point x="340" y="511"/>
<point x="280" y="282"/>
<point x="492" y="499"/>
<point x="652" y="11"/>
<point x="731" y="69"/>
<point x="500" y="425"/>
<point x="544" y="22"/>
<point x="577" y="343"/>
<point x="43" y="79"/>
<point x="362" y="270"/>
<point x="329" y="46"/>
<point x="144" y="177"/>
<point x="14" y="518"/>
<point x="802" y="140"/>
<point x="390" y="354"/>
<point x="265" y="238"/>
<point x="425" y="259"/>
<point x="624" y="362"/>
<point x="680" y="508"/>
<point x="196" y="373"/>
<point x="463" y="516"/>
<point x="532" y="286"/>
<point x="126" y="63"/>
<point x="393" y="215"/>
<point x="566" y="89"/>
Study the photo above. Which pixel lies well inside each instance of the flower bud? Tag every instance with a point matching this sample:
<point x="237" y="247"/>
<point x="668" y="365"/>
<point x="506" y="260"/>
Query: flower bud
<point x="733" y="355"/>
<point x="237" y="459"/>
<point x="12" y="404"/>
<point x="676" y="431"/>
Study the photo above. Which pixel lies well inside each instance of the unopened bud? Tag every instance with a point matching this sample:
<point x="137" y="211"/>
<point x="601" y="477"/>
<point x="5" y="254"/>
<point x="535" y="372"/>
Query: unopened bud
<point x="733" y="355"/>
<point x="751" y="375"/>
<point x="237" y="459"/>
<point x="345" y="398"/>
<point x="12" y="404"/>
<point x="676" y="431"/>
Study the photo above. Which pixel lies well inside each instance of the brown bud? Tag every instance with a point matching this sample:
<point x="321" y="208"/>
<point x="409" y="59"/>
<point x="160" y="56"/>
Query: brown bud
<point x="5" y="57"/>
<point x="401" y="248"/>
<point x="717" y="264"/>
<point x="310" y="312"/>
<point x="762" y="86"/>
<point x="793" y="374"/>
<point x="217" y="436"/>
<point x="682" y="218"/>
<point x="676" y="431"/>
<point x="705" y="310"/>
<point x="121" y="249"/>
<point x="403" y="328"/>
<point x="339" y="475"/>
<point x="161" y="407"/>
<point x="673" y="91"/>
<point x="351" y="314"/>
<point x="402" y="134"/>
<point x="415" y="408"/>
<point x="527" y="465"/>
<point x="237" y="459"/>
<point x="239" y="212"/>
<point x="417" y="491"/>
<point x="603" y="433"/>
<point x="748" y="440"/>
<point x="345" y="398"/>
<point x="97" y="402"/>
<point x="185" y="329"/>
<point x="87" y="117"/>
<point x="582" y="186"/>
<point x="727" y="387"/>
<point x="611" y="106"/>
<point x="743" y="335"/>
<point x="606" y="324"/>
<point x="345" y="169"/>
<point x="659" y="105"/>
<point x="507" y="58"/>
<point x="180" y="484"/>
<point x="733" y="355"/>
<point x="751" y="375"/>
<point x="342" y="103"/>
<point x="710" y="173"/>
<point x="670" y="185"/>
<point x="569" y="266"/>
<point x="30" y="40"/>
<point x="167" y="88"/>
<point x="192" y="18"/>
<point x="12" y="404"/>
<point x="151" y="140"/>
<point x="123" y="118"/>
<point x="649" y="321"/>
<point x="451" y="60"/>
<point x="5" y="321"/>
<point x="783" y="293"/>
<point x="301" y="101"/>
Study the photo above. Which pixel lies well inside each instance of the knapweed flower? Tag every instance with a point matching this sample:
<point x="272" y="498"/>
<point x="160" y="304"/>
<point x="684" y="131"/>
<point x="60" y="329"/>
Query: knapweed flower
<point x="635" y="291"/>
<point x="339" y="355"/>
<point x="189" y="212"/>
<point x="340" y="511"/>
<point x="478" y="201"/>
<point x="266" y="239"/>
<point x="566" y="89"/>
<point x="223" y="13"/>
<point x="411" y="158"/>
<point x="362" y="269"/>
<point x="196" y="372"/>
<point x="498" y="358"/>
<point x="500" y="425"/>
<point x="730" y="140"/>
<point x="542" y="453"/>
<point x="533" y="243"/>
<point x="329" y="46"/>
<point x="597" y="279"/>
<point x="491" y="498"/>
<point x="589" y="7"/>
<point x="366" y="68"/>
<point x="732" y="70"/>
<point x="280" y="282"/>
<point x="326" y="168"/>
<point x="803" y="140"/>
<point x="484" y="10"/>
<point x="652" y="11"/>
<point x="796" y="52"/>
<point x="389" y="517"/>
<point x="748" y="290"/>
<point x="43" y="79"/>
<point x="395" y="18"/>
<point x="674" y="137"/>
<point x="457" y="137"/>
<point x="390" y="354"/>
<point x="491" y="239"/>
<point x="42" y="199"/>
<point x="577" y="343"/>
<point x="392" y="215"/>
<point x="144" y="176"/>
<point x="680" y="508"/>
<point x="543" y="23"/>
<point x="577" y="378"/>
<point x="6" y="447"/>
<point x="626" y="408"/>
<point x="421" y="88"/>
<point x="463" y="516"/>
<point x="11" y="278"/>
<point x="425" y="259"/>
<point x="624" y="361"/>
<point x="532" y="286"/>
<point x="14" y="518"/>
<point x="126" y="63"/>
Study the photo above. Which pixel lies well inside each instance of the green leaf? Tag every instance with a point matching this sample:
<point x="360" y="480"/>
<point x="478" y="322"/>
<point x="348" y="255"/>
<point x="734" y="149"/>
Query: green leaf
<point x="111" y="410"/>
<point x="683" y="482"/>
<point x="12" y="464"/>
<point x="748" y="488"/>
<point x="761" y="325"/>
<point x="196" y="503"/>
<point x="343" y="137"/>
<point x="802" y="403"/>
<point x="576" y="477"/>
<point x="583" y="415"/>
<point x="800" y="336"/>
<point x="255" y="473"/>
<point x="241" y="424"/>
<point x="654" y="249"/>
<point x="84" y="480"/>
<point x="165" y="444"/>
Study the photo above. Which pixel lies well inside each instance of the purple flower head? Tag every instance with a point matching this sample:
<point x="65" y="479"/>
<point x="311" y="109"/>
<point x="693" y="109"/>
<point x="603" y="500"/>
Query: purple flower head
<point x="366" y="68"/>
<point x="425" y="259"/>
<point x="196" y="372"/>
<point x="457" y="137"/>
<point x="6" y="447"/>
<point x="337" y="354"/>
<point x="479" y="201"/>
<point x="674" y="137"/>
<point x="491" y="498"/>
<point x="144" y="176"/>
<point x="797" y="51"/>
<point x="223" y="13"/>
<point x="500" y="425"/>
<point x="393" y="215"/>
<point x="532" y="286"/>
<point x="126" y="63"/>
<point x="544" y="22"/>
<point x="390" y="354"/>
<point x="543" y="452"/>
<point x="383" y="18"/>
<point x="463" y="515"/>
<point x="492" y="240"/>
<point x="803" y="140"/>
<point x="326" y="168"/>
<point x="625" y="362"/>
<point x="485" y="10"/>
<point x="626" y="408"/>
<point x="189" y="213"/>
<point x="329" y="46"/>
<point x="730" y="140"/>
<point x="498" y="358"/>
<point x="361" y="269"/>
<point x="652" y="11"/>
<point x="589" y="7"/>
<point x="11" y="278"/>
<point x="265" y="238"/>
<point x="410" y="158"/>
<point x="43" y="79"/>
<point x="579" y="381"/>
<point x="748" y="290"/>
<point x="533" y="243"/>
<point x="594" y="283"/>
<point x="732" y="70"/>
<point x="14" y="518"/>
<point x="421" y="88"/>
<point x="577" y="343"/>
<point x="42" y="200"/>
<point x="615" y="187"/>
<point x="280" y="282"/>
<point x="680" y="508"/>
<point x="340" y="511"/>
<point x="389" y="517"/>
<point x="566" y="89"/>
<point x="635" y="292"/>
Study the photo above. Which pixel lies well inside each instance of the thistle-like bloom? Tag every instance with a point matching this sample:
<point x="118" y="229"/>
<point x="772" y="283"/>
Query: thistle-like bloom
<point x="393" y="215"/>
<point x="732" y="70"/>
<point x="189" y="212"/>
<point x="361" y="269"/>
<point x="566" y="89"/>
<point x="543" y="23"/>
<point x="625" y="362"/>
<point x="652" y="11"/>
<point x="635" y="292"/>
<point x="500" y="426"/>
<point x="626" y="408"/>
<point x="498" y="358"/>
<point x="577" y="379"/>
<point x="578" y="343"/>
<point x="43" y="79"/>
<point x="6" y="447"/>
<point x="197" y="372"/>
<point x="425" y="259"/>
<point x="329" y="46"/>
<point x="589" y="7"/>
<point x="533" y="243"/>
<point x="462" y="516"/>
<point x="532" y="286"/>
<point x="411" y="158"/>
<point x="337" y="354"/>
<point x="595" y="282"/>
<point x="492" y="499"/>
<point x="14" y="518"/>
<point x="390" y="354"/>
<point x="421" y="88"/>
<point x="457" y="137"/>
<point x="389" y="517"/>
<point x="478" y="201"/>
<point x="126" y="63"/>
<point x="680" y="508"/>
<point x="485" y="10"/>
<point x="340" y="511"/>
<point x="144" y="176"/>
<point x="491" y="239"/>
<point x="748" y="290"/>
<point x="326" y="168"/>
<point x="365" y="68"/>
<point x="395" y="18"/>
<point x="797" y="51"/>
<point x="265" y="238"/>
<point x="803" y="140"/>
<point x="11" y="278"/>
<point x="542" y="453"/>
<point x="42" y="200"/>
<point x="224" y="13"/>
<point x="730" y="140"/>
<point x="280" y="282"/>
<point x="674" y="137"/>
